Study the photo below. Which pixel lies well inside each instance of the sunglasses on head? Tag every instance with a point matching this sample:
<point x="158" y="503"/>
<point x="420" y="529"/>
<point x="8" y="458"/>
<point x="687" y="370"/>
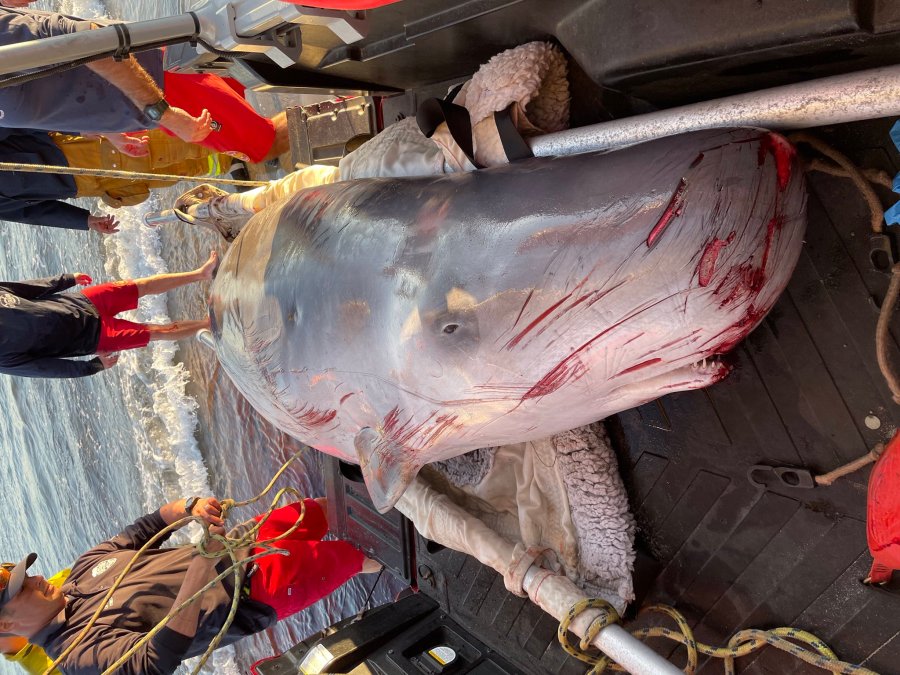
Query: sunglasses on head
<point x="5" y="572"/>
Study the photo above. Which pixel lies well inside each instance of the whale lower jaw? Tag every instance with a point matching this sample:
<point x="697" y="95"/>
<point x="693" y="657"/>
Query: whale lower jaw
<point x="389" y="467"/>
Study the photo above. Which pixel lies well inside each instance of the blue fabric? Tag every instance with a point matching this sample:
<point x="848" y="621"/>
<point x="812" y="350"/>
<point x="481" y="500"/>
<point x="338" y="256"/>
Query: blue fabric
<point x="895" y="134"/>
<point x="75" y="101"/>
<point x="892" y="215"/>
<point x="32" y="197"/>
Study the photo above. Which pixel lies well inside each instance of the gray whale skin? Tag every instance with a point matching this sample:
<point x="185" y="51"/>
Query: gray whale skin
<point x="395" y="322"/>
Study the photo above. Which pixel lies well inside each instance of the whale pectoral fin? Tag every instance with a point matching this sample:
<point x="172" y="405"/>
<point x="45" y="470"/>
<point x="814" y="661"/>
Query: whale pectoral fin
<point x="685" y="378"/>
<point x="387" y="468"/>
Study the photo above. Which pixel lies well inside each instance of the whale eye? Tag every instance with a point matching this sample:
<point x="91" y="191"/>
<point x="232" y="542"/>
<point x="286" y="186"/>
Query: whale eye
<point x="450" y="328"/>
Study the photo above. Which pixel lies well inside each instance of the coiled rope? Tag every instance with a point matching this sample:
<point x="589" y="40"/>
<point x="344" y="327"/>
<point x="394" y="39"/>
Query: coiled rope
<point x="811" y="649"/>
<point x="231" y="548"/>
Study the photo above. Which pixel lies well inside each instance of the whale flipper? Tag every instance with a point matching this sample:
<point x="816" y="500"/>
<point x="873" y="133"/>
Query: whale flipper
<point x="387" y="467"/>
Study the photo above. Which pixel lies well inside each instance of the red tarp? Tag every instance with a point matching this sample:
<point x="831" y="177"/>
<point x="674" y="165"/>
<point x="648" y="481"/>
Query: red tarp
<point x="883" y="519"/>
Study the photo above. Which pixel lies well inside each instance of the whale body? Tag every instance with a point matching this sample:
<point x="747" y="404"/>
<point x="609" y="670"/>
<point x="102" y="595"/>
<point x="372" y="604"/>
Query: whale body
<point x="395" y="322"/>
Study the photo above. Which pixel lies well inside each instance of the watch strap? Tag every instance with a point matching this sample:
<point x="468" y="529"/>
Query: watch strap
<point x="156" y="110"/>
<point x="189" y="504"/>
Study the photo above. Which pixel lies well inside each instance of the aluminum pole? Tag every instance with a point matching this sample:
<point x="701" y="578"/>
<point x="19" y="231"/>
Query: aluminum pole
<point x="867" y="94"/>
<point x="555" y="594"/>
<point x="72" y="46"/>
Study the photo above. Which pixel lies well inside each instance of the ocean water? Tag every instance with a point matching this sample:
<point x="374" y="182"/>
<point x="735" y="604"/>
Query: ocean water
<point x="79" y="459"/>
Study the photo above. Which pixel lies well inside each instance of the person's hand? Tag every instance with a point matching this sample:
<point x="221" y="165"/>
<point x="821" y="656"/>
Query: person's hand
<point x="107" y="224"/>
<point x="82" y="279"/>
<point x="108" y="359"/>
<point x="15" y="3"/>
<point x="186" y="127"/>
<point x="133" y="145"/>
<point x="210" y="511"/>
<point x="370" y="566"/>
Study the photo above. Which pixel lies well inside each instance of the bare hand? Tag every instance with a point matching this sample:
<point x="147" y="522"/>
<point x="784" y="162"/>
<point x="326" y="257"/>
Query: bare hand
<point x="133" y="145"/>
<point x="210" y="510"/>
<point x="108" y="360"/>
<point x="107" y="224"/>
<point x="370" y="566"/>
<point x="187" y="128"/>
<point x="82" y="279"/>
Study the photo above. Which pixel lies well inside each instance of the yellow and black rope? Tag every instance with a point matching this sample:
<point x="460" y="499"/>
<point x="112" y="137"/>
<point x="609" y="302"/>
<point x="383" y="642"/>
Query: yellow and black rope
<point x="810" y="649"/>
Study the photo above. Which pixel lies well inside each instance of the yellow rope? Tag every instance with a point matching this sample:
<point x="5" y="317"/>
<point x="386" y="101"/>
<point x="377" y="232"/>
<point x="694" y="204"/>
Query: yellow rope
<point x="811" y="649"/>
<point x="231" y="546"/>
<point x="127" y="175"/>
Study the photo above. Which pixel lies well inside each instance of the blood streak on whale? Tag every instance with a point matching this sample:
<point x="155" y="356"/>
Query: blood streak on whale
<point x="673" y="210"/>
<point x="707" y="266"/>
<point x="543" y="315"/>
<point x="637" y="367"/>
<point x="783" y="153"/>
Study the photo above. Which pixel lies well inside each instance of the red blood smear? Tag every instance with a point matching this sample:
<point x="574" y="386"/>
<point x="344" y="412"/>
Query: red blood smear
<point x="556" y="378"/>
<point x="782" y="151"/>
<point x="739" y="330"/>
<point x="391" y="419"/>
<point x="643" y="364"/>
<point x="315" y="417"/>
<point x="518" y="338"/>
<point x="672" y="210"/>
<point x="707" y="265"/>
<point x="775" y="223"/>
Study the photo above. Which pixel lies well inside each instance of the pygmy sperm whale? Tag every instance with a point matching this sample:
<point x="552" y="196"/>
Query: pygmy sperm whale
<point x="395" y="322"/>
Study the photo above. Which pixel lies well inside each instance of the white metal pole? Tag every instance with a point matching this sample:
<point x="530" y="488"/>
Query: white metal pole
<point x="73" y="46"/>
<point x="867" y="94"/>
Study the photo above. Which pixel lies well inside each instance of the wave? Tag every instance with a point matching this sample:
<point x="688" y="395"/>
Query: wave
<point x="163" y="415"/>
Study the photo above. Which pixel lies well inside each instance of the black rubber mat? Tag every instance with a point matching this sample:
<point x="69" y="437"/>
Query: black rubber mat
<point x="731" y="554"/>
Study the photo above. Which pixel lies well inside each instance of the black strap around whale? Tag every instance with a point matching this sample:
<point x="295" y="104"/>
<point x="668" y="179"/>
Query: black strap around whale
<point x="514" y="145"/>
<point x="435" y="111"/>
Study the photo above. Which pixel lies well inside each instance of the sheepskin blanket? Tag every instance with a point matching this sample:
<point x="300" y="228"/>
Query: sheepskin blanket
<point x="562" y="493"/>
<point x="531" y="78"/>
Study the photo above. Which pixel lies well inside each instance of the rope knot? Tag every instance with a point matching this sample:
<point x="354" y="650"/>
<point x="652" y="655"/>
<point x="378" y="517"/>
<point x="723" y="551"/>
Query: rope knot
<point x="608" y="616"/>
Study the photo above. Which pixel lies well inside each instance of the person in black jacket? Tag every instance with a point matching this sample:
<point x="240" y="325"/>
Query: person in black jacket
<point x="41" y="327"/>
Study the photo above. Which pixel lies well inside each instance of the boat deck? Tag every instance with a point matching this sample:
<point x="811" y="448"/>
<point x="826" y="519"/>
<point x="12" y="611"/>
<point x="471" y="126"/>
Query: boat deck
<point x="726" y="552"/>
<point x="730" y="554"/>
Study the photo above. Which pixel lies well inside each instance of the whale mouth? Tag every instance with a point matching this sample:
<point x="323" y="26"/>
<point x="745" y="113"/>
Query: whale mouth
<point x="708" y="365"/>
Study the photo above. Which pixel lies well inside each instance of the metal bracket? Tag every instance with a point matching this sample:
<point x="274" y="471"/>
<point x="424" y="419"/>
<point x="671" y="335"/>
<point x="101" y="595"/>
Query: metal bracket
<point x="788" y="476"/>
<point x="881" y="253"/>
<point x="280" y="45"/>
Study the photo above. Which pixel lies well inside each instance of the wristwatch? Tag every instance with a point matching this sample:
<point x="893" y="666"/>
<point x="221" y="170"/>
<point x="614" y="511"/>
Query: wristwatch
<point x="156" y="110"/>
<point x="189" y="504"/>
